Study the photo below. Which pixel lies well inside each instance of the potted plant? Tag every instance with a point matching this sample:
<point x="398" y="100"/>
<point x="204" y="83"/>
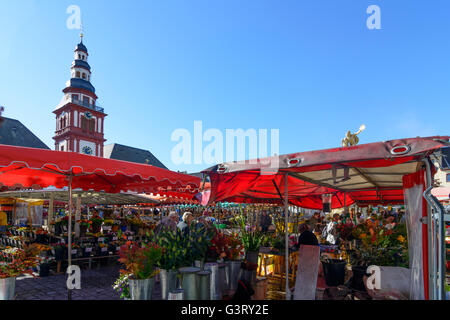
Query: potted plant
<point x="115" y="226"/>
<point x="41" y="236"/>
<point x="96" y="224"/>
<point x="141" y="263"/>
<point x="20" y="262"/>
<point x="175" y="248"/>
<point x="377" y="246"/>
<point x="251" y="238"/>
<point x="107" y="224"/>
<point x="86" y="249"/>
<point x="60" y="250"/>
<point x="84" y="226"/>
<point x="75" y="249"/>
<point x="233" y="248"/>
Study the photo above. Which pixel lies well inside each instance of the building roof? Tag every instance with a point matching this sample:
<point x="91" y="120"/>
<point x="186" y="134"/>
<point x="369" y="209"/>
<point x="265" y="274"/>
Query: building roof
<point x="14" y="133"/>
<point x="81" y="47"/>
<point x="80" y="84"/>
<point x="81" y="63"/>
<point x="126" y="153"/>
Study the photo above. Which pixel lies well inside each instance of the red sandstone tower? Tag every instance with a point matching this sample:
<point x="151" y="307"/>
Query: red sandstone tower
<point x="79" y="120"/>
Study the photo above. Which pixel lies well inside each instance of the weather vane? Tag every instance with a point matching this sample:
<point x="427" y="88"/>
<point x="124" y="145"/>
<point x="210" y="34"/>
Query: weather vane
<point x="351" y="139"/>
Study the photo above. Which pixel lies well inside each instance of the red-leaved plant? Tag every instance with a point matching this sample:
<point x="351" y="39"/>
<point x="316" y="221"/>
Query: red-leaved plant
<point x="140" y="261"/>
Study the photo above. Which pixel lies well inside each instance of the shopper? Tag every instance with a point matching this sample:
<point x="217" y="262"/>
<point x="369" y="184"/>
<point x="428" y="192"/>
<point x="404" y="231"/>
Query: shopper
<point x="306" y="236"/>
<point x="266" y="221"/>
<point x="314" y="221"/>
<point x="185" y="224"/>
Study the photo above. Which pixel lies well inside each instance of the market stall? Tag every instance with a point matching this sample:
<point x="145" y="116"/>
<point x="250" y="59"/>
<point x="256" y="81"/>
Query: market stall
<point x="375" y="173"/>
<point x="38" y="168"/>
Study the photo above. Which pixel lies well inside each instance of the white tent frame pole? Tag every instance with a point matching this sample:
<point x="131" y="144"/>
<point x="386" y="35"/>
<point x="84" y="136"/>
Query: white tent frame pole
<point x="431" y="267"/>
<point x="69" y="233"/>
<point x="50" y="212"/>
<point x="286" y="213"/>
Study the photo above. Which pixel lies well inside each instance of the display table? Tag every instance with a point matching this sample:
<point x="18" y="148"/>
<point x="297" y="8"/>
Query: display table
<point x="278" y="263"/>
<point x="89" y="259"/>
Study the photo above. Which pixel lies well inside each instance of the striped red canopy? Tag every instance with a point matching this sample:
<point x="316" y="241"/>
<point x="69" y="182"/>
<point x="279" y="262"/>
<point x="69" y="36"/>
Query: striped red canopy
<point x="363" y="174"/>
<point x="39" y="168"/>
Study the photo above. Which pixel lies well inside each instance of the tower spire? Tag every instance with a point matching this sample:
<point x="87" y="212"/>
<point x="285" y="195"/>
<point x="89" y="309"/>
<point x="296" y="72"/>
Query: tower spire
<point x="81" y="33"/>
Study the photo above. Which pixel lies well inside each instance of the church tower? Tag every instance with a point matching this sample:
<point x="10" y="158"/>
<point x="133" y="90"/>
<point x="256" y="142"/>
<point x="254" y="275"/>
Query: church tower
<point x="79" y="120"/>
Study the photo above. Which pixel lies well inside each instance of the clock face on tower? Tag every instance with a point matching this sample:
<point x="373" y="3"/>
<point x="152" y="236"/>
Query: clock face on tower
<point x="86" y="150"/>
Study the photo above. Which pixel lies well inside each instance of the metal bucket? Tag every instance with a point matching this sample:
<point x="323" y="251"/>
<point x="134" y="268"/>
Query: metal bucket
<point x="235" y="274"/>
<point x="141" y="289"/>
<point x="7" y="288"/>
<point x="176" y="295"/>
<point x="252" y="256"/>
<point x="215" y="287"/>
<point x="223" y="278"/>
<point x="199" y="264"/>
<point x="189" y="282"/>
<point x="204" y="285"/>
<point x="168" y="282"/>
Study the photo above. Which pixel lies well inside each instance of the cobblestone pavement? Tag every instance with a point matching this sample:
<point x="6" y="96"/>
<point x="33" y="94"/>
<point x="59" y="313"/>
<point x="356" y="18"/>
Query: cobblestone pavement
<point x="96" y="284"/>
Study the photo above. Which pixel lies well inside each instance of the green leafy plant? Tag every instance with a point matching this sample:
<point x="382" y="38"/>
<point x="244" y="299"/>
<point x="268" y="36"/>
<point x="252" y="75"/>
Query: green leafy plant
<point x="251" y="238"/>
<point x="175" y="248"/>
<point x="378" y="246"/>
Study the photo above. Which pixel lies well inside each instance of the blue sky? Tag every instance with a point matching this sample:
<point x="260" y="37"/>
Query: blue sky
<point x="310" y="68"/>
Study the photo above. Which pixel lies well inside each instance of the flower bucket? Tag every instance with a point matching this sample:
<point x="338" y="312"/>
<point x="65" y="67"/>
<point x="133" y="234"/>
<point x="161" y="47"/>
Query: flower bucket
<point x="358" y="275"/>
<point x="204" y="285"/>
<point x="141" y="289"/>
<point x="199" y="264"/>
<point x="223" y="281"/>
<point x="189" y="282"/>
<point x="168" y="282"/>
<point x="235" y="274"/>
<point x="60" y="254"/>
<point x="334" y="272"/>
<point x="44" y="270"/>
<point x="176" y="295"/>
<point x="252" y="256"/>
<point x="7" y="288"/>
<point x="215" y="287"/>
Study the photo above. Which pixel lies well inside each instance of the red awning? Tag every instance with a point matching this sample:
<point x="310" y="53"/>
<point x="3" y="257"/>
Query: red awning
<point x="38" y="168"/>
<point x="366" y="174"/>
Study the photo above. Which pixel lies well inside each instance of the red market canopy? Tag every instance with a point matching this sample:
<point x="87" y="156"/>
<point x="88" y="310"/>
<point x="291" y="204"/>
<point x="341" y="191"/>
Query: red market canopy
<point x="363" y="174"/>
<point x="39" y="168"/>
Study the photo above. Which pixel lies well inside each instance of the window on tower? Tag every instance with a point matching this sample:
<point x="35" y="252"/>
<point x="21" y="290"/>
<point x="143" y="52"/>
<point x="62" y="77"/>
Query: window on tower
<point x="83" y="124"/>
<point x="84" y="75"/>
<point x="92" y="125"/>
<point x="75" y="97"/>
<point x="78" y="74"/>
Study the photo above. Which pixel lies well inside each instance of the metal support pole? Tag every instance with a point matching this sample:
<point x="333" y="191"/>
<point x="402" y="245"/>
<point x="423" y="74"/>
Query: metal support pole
<point x="69" y="233"/>
<point x="286" y="214"/>
<point x="50" y="212"/>
<point x="14" y="212"/>
<point x="77" y="216"/>
<point x="440" y="211"/>
<point x="431" y="273"/>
